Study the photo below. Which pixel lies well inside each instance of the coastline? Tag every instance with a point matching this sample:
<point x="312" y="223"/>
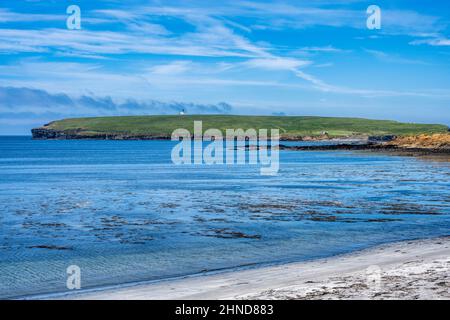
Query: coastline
<point x="407" y="145"/>
<point x="418" y="269"/>
<point x="372" y="147"/>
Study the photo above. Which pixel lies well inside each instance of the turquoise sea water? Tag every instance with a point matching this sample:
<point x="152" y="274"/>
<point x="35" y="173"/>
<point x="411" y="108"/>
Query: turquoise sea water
<point x="122" y="212"/>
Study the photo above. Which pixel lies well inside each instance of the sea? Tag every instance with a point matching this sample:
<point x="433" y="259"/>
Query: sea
<point x="122" y="212"/>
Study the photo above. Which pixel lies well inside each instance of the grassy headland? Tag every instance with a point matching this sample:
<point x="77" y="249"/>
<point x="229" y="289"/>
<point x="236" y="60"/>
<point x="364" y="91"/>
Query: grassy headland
<point x="290" y="127"/>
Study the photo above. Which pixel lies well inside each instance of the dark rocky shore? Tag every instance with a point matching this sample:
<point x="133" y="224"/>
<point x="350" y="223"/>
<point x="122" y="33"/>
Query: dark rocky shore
<point x="376" y="144"/>
<point x="51" y="134"/>
<point x="371" y="146"/>
<point x="46" y="133"/>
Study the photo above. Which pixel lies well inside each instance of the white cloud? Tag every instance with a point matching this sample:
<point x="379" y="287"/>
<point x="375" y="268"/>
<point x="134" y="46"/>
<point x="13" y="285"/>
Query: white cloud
<point x="276" y="63"/>
<point x="114" y="43"/>
<point x="9" y="16"/>
<point x="173" y="68"/>
<point x="389" y="58"/>
<point x="328" y="48"/>
<point x="438" y="42"/>
<point x="212" y="36"/>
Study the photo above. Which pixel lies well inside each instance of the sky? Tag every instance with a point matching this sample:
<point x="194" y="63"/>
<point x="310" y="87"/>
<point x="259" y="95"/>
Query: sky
<point x="235" y="57"/>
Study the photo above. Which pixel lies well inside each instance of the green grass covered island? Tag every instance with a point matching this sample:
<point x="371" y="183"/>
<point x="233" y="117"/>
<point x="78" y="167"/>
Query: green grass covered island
<point x="162" y="126"/>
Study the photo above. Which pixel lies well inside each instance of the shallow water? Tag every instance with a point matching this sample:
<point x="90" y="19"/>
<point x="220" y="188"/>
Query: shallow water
<point x="123" y="212"/>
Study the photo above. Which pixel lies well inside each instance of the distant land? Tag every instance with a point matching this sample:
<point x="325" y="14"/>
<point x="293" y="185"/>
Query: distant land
<point x="291" y="127"/>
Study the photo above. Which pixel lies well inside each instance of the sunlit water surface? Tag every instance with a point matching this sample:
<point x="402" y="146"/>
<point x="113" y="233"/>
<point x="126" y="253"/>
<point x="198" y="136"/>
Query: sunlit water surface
<point x="122" y="212"/>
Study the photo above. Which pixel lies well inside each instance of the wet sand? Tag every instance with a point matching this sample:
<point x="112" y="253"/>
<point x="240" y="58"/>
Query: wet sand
<point x="405" y="270"/>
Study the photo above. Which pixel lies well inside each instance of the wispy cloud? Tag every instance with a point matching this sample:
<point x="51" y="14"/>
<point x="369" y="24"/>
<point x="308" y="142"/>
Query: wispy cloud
<point x="114" y="43"/>
<point x="328" y="48"/>
<point x="173" y="68"/>
<point x="276" y="63"/>
<point x="390" y="58"/>
<point x="437" y="42"/>
<point x="10" y="16"/>
<point x="191" y="51"/>
<point x="212" y="36"/>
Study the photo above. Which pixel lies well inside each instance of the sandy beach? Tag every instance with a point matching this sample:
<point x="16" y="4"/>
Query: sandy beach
<point x="406" y="270"/>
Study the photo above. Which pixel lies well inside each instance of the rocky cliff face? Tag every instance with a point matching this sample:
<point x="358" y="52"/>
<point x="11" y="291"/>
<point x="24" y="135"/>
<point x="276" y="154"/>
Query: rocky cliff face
<point x="434" y="141"/>
<point x="44" y="133"/>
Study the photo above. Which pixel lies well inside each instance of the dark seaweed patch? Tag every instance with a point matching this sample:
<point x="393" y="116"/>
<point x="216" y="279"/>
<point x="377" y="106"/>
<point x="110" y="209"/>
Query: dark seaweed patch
<point x="408" y="208"/>
<point x="226" y="233"/>
<point x="50" y="247"/>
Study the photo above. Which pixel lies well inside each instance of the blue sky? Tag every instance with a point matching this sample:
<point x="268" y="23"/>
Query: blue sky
<point x="241" y="57"/>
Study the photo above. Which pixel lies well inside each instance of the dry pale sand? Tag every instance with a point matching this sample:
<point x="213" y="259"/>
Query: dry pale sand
<point x="406" y="270"/>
